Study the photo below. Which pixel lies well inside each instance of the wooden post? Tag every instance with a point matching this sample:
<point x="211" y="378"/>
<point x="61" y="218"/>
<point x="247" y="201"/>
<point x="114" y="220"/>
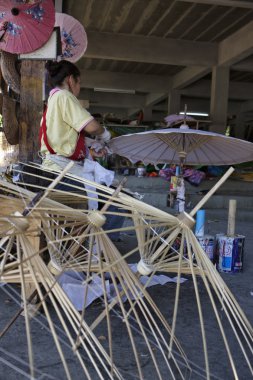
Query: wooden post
<point x="231" y="217"/>
<point x="31" y="109"/>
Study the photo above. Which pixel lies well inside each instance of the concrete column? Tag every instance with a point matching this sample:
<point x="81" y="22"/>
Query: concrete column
<point x="219" y="99"/>
<point x="58" y="6"/>
<point x="148" y="114"/>
<point x="174" y="102"/>
<point x="240" y="126"/>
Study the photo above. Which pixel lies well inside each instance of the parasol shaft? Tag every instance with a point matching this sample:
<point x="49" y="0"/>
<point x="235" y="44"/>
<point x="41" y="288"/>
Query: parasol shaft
<point x="212" y="191"/>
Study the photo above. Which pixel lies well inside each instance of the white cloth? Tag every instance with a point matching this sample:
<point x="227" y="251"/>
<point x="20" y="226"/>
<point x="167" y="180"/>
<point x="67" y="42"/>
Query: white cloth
<point x="90" y="170"/>
<point x="74" y="285"/>
<point x="181" y="194"/>
<point x="95" y="172"/>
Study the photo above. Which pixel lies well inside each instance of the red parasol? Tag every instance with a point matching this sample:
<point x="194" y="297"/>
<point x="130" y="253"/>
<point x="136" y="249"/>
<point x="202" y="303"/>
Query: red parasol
<point x="25" y="25"/>
<point x="73" y="37"/>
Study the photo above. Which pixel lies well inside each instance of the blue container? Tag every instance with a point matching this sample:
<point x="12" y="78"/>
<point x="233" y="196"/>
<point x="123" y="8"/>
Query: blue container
<point x="230" y="251"/>
<point x="200" y="223"/>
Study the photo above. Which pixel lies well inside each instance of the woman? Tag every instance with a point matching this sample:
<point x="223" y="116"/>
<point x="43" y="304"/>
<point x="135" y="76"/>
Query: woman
<point x="65" y="124"/>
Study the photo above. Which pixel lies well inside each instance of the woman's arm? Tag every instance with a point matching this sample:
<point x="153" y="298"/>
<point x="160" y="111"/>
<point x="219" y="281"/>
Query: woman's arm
<point x="94" y="128"/>
<point x="97" y="130"/>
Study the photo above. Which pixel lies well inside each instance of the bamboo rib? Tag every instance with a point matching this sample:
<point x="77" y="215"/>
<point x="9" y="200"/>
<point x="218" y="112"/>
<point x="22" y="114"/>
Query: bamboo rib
<point x="126" y="291"/>
<point x="46" y="279"/>
<point x="24" y="297"/>
<point x="190" y="254"/>
<point x="222" y="296"/>
<point x="173" y="327"/>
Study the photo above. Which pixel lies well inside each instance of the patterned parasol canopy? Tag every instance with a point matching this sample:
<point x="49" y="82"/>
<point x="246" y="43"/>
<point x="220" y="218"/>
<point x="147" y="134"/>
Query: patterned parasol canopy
<point x="25" y="25"/>
<point x="73" y="37"/>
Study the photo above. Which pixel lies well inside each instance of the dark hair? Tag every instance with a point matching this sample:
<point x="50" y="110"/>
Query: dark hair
<point x="58" y="71"/>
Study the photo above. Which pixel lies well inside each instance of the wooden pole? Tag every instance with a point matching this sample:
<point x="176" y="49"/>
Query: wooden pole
<point x="231" y="217"/>
<point x="31" y="109"/>
<point x="212" y="191"/>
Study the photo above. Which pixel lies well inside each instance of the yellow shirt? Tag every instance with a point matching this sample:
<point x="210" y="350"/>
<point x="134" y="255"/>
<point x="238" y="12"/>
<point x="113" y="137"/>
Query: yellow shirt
<point x="65" y="118"/>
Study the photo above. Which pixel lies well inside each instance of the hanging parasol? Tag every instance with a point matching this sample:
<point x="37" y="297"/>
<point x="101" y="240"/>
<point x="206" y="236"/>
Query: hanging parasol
<point x="25" y="26"/>
<point x="73" y="37"/>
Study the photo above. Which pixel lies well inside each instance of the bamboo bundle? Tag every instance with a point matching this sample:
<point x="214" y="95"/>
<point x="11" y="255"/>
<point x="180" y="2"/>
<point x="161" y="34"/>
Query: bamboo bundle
<point x="67" y="231"/>
<point x="164" y="242"/>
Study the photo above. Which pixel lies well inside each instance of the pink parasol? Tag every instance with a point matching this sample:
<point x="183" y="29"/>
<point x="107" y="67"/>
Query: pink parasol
<point x="174" y="119"/>
<point x="25" y="25"/>
<point x="73" y="37"/>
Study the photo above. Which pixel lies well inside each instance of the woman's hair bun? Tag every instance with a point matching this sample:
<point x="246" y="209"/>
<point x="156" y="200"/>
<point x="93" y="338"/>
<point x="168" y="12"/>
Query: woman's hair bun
<point x="52" y="67"/>
<point x="58" y="71"/>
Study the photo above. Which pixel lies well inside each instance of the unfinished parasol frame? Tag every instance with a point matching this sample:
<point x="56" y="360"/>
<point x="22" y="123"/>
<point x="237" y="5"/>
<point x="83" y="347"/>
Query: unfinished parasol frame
<point x="156" y="232"/>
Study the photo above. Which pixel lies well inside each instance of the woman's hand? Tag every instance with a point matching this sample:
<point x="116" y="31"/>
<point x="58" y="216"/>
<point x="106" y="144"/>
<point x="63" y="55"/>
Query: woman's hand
<point x="98" y="154"/>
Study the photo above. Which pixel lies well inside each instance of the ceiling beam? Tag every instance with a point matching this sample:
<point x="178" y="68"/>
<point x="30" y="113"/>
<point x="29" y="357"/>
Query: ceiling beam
<point x="225" y="3"/>
<point x="151" y="49"/>
<point x="118" y="112"/>
<point x="188" y="76"/>
<point x="112" y="100"/>
<point x="154" y="98"/>
<point x="245" y="65"/>
<point x="184" y="78"/>
<point x="236" y="47"/>
<point x="202" y="89"/>
<point x="247" y="106"/>
<point x="117" y="80"/>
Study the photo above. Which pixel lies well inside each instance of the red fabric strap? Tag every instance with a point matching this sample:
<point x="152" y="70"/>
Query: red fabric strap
<point x="43" y="132"/>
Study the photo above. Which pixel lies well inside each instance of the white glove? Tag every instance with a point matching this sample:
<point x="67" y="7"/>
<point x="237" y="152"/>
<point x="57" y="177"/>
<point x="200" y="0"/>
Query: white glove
<point x="105" y="136"/>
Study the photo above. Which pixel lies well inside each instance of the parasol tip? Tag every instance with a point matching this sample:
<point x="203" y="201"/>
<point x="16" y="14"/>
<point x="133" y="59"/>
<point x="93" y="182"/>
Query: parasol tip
<point x="15" y="11"/>
<point x="184" y="126"/>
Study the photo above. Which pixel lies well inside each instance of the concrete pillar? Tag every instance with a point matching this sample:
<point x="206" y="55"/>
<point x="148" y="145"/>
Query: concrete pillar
<point x="174" y="102"/>
<point x="58" y="5"/>
<point x="240" y="125"/>
<point x="219" y="99"/>
<point x="147" y="114"/>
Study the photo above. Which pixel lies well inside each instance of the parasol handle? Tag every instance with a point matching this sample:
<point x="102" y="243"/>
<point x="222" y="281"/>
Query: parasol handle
<point x="212" y="191"/>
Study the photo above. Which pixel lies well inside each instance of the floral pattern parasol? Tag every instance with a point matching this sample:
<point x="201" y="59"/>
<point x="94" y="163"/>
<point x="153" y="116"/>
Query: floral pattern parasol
<point x="25" y="25"/>
<point x="73" y="37"/>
